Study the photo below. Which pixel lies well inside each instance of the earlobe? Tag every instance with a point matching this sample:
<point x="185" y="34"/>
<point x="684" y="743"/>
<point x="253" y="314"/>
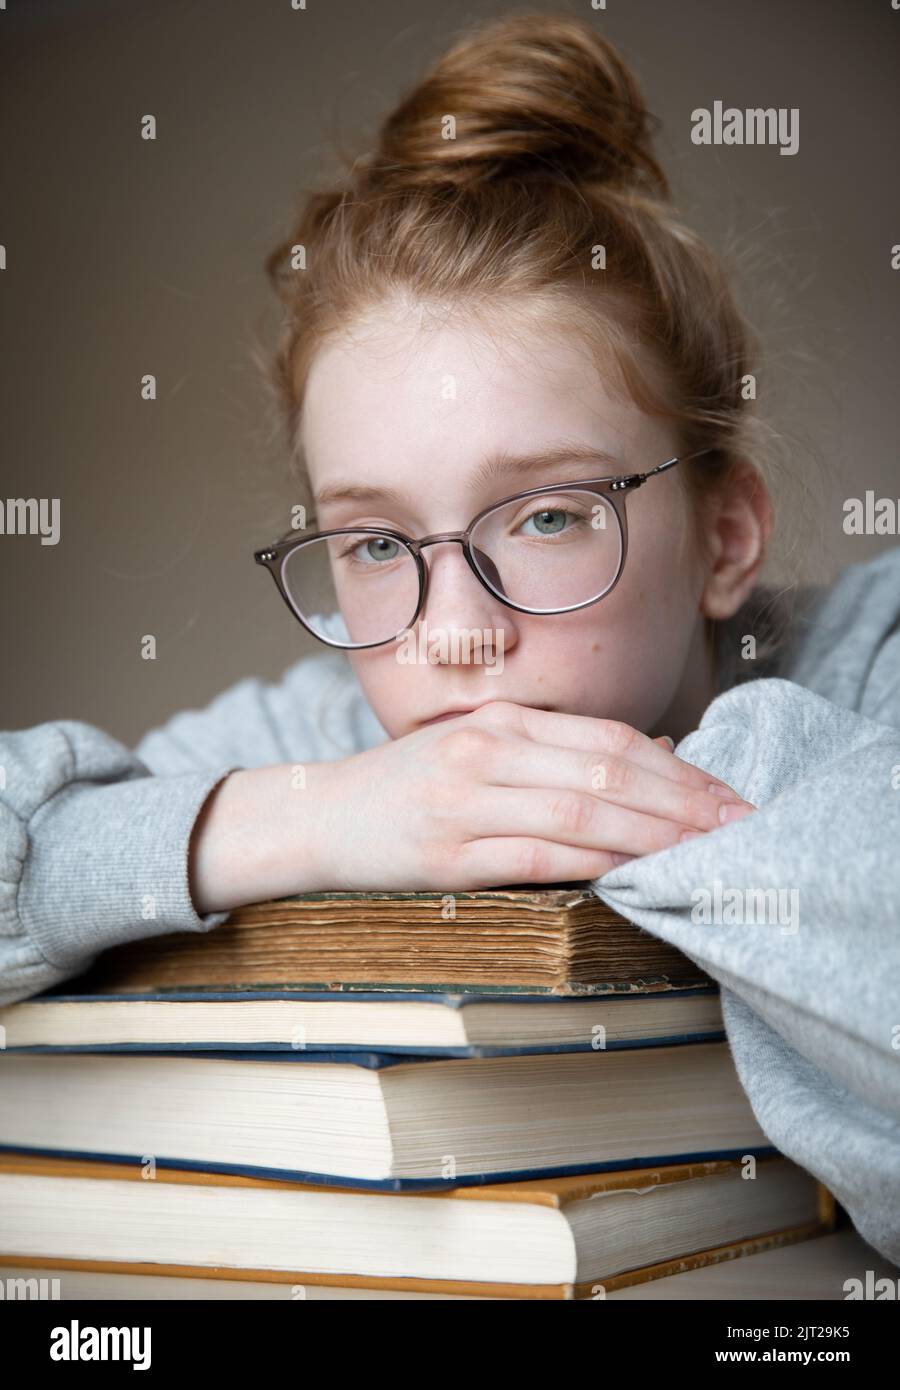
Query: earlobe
<point x="741" y="519"/>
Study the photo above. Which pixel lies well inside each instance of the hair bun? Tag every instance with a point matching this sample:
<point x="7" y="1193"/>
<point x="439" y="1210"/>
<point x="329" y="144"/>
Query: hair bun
<point x="532" y="96"/>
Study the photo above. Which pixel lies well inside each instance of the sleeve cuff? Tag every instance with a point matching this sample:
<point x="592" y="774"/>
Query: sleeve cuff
<point x="113" y="865"/>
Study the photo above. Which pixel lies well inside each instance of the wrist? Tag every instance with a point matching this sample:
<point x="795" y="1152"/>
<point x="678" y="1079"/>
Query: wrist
<point x="256" y="837"/>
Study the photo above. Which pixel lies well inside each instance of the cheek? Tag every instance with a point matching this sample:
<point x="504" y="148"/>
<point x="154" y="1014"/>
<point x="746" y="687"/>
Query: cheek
<point x="386" y="685"/>
<point x="624" y="657"/>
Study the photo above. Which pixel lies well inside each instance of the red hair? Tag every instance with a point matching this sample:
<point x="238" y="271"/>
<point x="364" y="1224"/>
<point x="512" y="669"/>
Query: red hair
<point x="550" y="158"/>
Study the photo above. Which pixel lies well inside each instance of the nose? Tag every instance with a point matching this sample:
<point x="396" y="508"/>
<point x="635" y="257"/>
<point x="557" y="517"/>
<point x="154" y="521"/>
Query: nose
<point x="456" y="599"/>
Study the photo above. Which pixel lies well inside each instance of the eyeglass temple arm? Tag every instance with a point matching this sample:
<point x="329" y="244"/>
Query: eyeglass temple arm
<point x="638" y="479"/>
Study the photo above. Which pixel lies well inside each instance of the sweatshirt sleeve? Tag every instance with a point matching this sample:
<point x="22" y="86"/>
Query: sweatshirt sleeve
<point x="93" y="851"/>
<point x="95" y="837"/>
<point x="794" y="911"/>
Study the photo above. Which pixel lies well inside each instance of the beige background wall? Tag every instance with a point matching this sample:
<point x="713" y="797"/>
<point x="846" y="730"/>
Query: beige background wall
<point x="126" y="257"/>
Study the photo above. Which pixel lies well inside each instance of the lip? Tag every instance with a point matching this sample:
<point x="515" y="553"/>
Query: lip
<point x="455" y="713"/>
<point x="450" y="714"/>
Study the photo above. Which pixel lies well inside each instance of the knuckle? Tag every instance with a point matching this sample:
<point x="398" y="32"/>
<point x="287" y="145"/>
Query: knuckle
<point x="495" y="714"/>
<point x="466" y="745"/>
<point x="532" y="862"/>
<point x="610" y="775"/>
<point x="572" y="813"/>
<point x="618" y="737"/>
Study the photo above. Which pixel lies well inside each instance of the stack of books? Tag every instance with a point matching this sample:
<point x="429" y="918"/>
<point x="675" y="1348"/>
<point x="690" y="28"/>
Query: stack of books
<point x="505" y="1093"/>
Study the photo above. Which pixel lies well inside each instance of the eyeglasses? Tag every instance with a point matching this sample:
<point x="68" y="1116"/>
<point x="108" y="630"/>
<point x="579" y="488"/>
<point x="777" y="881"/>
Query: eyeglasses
<point x="354" y="587"/>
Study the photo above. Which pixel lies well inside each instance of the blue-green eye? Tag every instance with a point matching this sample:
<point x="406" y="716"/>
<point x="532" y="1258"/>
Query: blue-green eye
<point x="385" y="549"/>
<point x="550" y="521"/>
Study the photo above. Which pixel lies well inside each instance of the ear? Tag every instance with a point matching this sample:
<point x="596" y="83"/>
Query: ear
<point x="739" y="522"/>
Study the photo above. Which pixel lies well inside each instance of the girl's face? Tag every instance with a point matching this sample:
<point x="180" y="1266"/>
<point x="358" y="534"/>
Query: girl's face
<point x="419" y="413"/>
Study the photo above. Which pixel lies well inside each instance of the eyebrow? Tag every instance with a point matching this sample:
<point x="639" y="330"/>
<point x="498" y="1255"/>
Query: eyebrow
<point x="496" y="466"/>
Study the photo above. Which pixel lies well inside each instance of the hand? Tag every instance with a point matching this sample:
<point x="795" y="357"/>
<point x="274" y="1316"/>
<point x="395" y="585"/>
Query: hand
<point x="506" y="794"/>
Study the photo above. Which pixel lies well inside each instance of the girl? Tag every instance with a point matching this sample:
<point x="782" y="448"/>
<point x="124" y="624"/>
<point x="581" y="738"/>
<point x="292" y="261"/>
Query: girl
<point x="514" y="380"/>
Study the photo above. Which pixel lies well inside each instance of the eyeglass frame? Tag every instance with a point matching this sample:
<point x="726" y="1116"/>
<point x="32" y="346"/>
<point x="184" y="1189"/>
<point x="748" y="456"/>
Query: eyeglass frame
<point x="274" y="556"/>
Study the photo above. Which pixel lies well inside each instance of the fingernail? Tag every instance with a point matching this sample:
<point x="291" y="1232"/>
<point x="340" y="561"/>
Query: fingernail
<point x="690" y="834"/>
<point x="718" y="789"/>
<point x="670" y="741"/>
<point x="730" y="813"/>
<point x="618" y="859"/>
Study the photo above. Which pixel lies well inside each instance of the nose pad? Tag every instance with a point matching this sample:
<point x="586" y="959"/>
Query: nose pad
<point x="488" y="569"/>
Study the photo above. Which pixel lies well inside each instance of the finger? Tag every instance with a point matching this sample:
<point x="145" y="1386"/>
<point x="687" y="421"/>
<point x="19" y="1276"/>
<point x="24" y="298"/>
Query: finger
<point x="569" y="818"/>
<point x="495" y="861"/>
<point x="519" y="762"/>
<point x="595" y="735"/>
<point x="716" y="785"/>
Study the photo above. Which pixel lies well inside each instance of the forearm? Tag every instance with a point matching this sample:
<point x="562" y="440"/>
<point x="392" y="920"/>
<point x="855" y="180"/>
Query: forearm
<point x="262" y="833"/>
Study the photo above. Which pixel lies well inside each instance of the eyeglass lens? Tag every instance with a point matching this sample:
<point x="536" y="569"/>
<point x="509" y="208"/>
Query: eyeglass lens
<point x="544" y="553"/>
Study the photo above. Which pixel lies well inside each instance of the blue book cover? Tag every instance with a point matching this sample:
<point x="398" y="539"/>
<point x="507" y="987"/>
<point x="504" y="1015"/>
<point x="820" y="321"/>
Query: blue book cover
<point x="393" y="1184"/>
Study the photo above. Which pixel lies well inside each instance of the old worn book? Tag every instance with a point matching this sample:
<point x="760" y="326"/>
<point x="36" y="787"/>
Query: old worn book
<point x="562" y="940"/>
<point x="549" y="1239"/>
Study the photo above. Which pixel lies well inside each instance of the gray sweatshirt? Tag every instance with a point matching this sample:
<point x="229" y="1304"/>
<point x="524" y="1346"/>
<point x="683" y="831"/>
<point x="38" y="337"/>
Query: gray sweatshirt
<point x="795" y="910"/>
